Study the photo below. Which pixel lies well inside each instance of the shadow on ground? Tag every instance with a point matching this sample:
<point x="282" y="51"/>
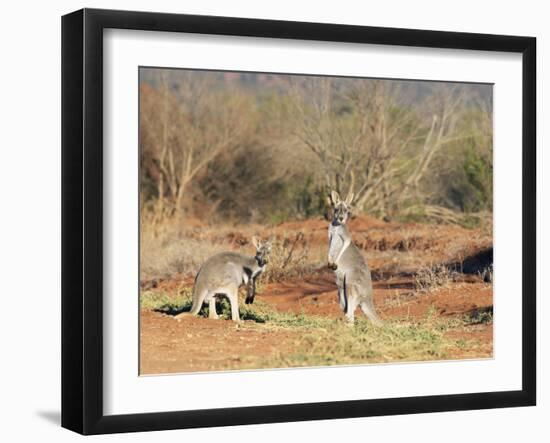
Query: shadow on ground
<point x="54" y="417"/>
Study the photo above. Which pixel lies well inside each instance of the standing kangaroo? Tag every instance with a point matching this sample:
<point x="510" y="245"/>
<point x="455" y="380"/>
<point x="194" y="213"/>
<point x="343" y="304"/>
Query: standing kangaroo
<point x="223" y="274"/>
<point x="344" y="258"/>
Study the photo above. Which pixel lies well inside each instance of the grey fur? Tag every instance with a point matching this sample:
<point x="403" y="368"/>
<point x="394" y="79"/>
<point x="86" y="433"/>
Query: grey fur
<point x="353" y="276"/>
<point x="223" y="274"/>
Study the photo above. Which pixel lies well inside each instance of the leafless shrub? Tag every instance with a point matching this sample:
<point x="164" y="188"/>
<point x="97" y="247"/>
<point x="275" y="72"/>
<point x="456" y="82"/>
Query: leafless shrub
<point x="167" y="256"/>
<point x="381" y="149"/>
<point x="432" y="278"/>
<point x="288" y="258"/>
<point x="183" y="130"/>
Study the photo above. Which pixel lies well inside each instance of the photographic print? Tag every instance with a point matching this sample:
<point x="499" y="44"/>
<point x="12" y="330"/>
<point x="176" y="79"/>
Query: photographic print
<point x="316" y="206"/>
<point x="294" y="220"/>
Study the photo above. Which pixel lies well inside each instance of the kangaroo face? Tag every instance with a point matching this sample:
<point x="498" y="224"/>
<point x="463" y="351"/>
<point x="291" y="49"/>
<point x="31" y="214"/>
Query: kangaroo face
<point x="341" y="209"/>
<point x="263" y="249"/>
<point x="341" y="214"/>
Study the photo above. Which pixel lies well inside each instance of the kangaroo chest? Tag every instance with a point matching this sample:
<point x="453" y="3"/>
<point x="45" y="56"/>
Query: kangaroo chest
<point x="249" y="274"/>
<point x="336" y="241"/>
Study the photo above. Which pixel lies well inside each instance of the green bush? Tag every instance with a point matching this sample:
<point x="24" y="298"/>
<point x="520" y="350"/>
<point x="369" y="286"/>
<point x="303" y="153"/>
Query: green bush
<point x="479" y="175"/>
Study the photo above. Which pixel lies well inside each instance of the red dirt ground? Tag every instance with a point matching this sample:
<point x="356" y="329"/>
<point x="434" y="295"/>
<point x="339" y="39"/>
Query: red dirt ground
<point x="200" y="344"/>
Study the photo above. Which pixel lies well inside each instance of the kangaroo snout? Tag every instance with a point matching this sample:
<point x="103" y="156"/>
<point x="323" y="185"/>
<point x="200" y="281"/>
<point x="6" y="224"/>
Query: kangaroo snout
<point x="333" y="266"/>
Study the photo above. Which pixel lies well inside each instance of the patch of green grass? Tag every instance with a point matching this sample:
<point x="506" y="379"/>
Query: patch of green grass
<point x="470" y="221"/>
<point x="326" y="341"/>
<point x="290" y="320"/>
<point x="161" y="301"/>
<point x="321" y="341"/>
<point x="182" y="301"/>
<point x="332" y="342"/>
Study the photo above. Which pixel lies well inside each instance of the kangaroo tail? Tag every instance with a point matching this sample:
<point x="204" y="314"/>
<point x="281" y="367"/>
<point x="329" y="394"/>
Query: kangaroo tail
<point x="367" y="307"/>
<point x="198" y="299"/>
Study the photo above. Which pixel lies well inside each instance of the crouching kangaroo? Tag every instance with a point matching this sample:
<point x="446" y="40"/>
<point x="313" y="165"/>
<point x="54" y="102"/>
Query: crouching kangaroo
<point x="223" y="274"/>
<point x="353" y="276"/>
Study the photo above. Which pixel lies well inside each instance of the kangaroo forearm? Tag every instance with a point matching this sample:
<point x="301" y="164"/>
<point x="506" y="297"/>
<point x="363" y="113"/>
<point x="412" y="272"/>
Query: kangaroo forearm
<point x="344" y="247"/>
<point x="250" y="291"/>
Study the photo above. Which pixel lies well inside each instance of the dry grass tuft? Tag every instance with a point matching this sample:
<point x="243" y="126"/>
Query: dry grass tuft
<point x="432" y="278"/>
<point x="165" y="257"/>
<point x="170" y="248"/>
<point x="289" y="258"/>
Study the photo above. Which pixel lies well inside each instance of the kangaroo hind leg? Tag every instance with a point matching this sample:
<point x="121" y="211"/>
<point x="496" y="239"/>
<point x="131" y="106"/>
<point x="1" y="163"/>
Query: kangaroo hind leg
<point x="212" y="308"/>
<point x="352" y="300"/>
<point x="233" y="296"/>
<point x="341" y="284"/>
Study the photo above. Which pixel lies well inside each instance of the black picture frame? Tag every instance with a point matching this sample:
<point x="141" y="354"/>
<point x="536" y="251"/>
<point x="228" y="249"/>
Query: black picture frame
<point x="82" y="219"/>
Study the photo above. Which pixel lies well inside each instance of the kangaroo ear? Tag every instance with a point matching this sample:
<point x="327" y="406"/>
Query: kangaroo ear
<point x="329" y="207"/>
<point x="335" y="198"/>
<point x="255" y="242"/>
<point x="349" y="198"/>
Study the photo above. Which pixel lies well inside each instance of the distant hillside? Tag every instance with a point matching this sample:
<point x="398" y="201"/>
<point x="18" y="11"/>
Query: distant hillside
<point x="412" y="90"/>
